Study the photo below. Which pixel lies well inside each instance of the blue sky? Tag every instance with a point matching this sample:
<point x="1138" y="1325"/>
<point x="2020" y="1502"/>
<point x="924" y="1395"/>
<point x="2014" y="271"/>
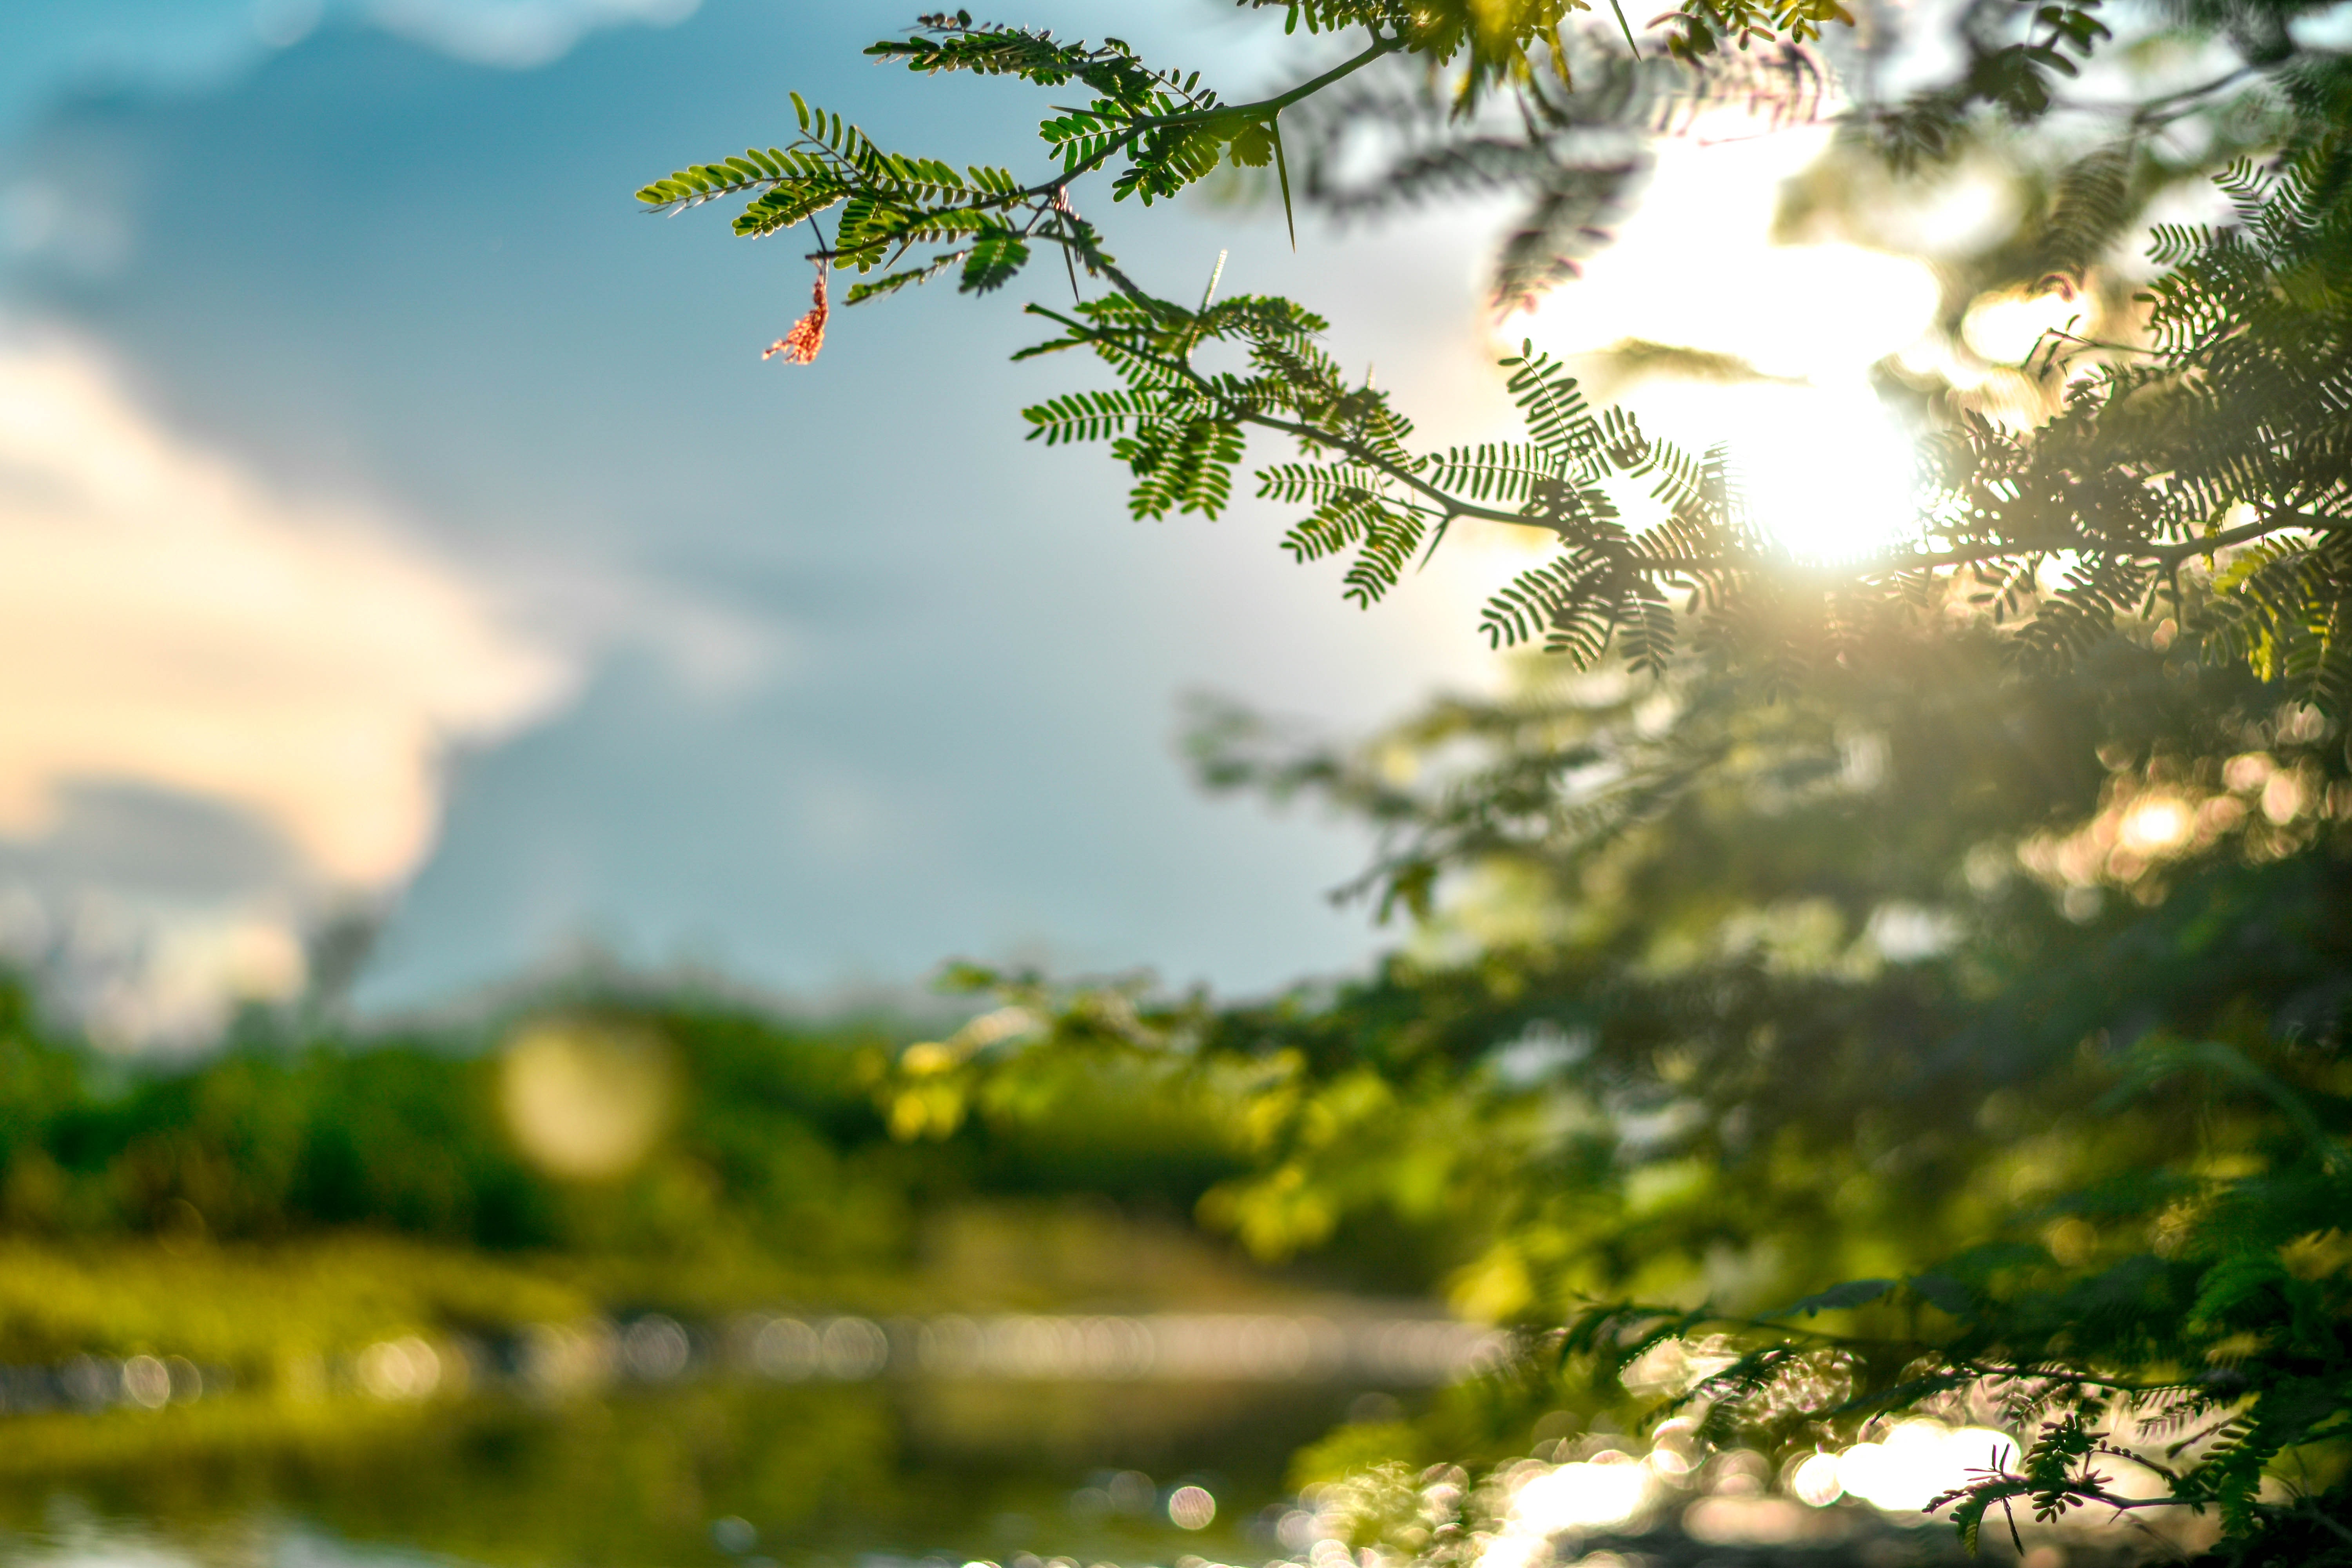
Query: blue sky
<point x="393" y="516"/>
<point x="597" y="629"/>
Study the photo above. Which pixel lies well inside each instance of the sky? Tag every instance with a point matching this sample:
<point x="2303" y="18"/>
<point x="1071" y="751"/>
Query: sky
<point x="395" y="521"/>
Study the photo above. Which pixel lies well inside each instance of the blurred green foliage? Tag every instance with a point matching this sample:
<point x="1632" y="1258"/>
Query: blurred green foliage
<point x="300" y="1192"/>
<point x="271" y="1210"/>
<point x="2017" y="1000"/>
<point x="275" y="1139"/>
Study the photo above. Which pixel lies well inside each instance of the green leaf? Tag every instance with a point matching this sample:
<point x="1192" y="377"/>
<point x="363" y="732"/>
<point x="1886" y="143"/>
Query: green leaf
<point x="891" y="282"/>
<point x="993" y="259"/>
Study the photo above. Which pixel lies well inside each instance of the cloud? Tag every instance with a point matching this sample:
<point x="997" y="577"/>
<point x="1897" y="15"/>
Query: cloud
<point x="165" y="620"/>
<point x="198" y="43"/>
<point x="588" y="608"/>
<point x="518" y="34"/>
<point x="172" y="630"/>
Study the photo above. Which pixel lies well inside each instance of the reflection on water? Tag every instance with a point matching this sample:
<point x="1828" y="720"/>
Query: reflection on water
<point x="772" y="1440"/>
<point x="830" y="1476"/>
<point x="933" y="1473"/>
<point x="653" y="1348"/>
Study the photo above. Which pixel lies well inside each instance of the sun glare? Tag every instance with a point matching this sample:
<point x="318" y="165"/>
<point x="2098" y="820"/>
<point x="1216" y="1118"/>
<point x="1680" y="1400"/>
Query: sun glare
<point x="1829" y="473"/>
<point x="1780" y="339"/>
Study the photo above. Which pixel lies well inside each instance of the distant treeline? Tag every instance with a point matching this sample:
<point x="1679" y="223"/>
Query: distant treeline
<point x="767" y="1135"/>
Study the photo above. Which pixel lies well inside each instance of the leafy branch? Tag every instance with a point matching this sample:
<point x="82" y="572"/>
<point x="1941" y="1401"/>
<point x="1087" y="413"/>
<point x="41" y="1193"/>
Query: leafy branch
<point x="2201" y="1362"/>
<point x="2219" y="440"/>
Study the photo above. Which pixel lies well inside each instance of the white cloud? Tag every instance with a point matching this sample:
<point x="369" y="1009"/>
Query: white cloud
<point x="175" y="45"/>
<point x="224" y="710"/>
<point x="165" y="620"/>
<point x="715" y="654"/>
<point x="171" y="627"/>
<point x="518" y="34"/>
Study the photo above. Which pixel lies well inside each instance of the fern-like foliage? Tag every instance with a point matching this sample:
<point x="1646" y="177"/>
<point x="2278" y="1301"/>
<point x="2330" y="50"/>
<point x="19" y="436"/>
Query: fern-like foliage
<point x="1374" y="500"/>
<point x="2160" y="1320"/>
<point x="2232" y="432"/>
<point x="2174" y="1379"/>
<point x="1368" y="494"/>
<point x="2210" y="477"/>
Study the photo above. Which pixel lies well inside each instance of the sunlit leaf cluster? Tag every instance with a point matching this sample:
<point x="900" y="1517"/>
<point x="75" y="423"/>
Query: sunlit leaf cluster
<point x="2225" y="431"/>
<point x="2207" y="476"/>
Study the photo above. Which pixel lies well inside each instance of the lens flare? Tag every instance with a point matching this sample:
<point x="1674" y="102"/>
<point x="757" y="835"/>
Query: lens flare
<point x="585" y="1100"/>
<point x="1191" y="1508"/>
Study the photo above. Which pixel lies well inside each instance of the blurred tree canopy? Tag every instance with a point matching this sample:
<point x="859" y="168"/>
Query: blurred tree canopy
<point x="1958" y="935"/>
<point x="278" y="1137"/>
<point x="436" y="1179"/>
<point x="2016" y="1003"/>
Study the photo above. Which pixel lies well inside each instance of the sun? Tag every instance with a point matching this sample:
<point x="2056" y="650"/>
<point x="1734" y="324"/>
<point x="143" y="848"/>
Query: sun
<point x="1827" y="471"/>
<point x="1784" y="336"/>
